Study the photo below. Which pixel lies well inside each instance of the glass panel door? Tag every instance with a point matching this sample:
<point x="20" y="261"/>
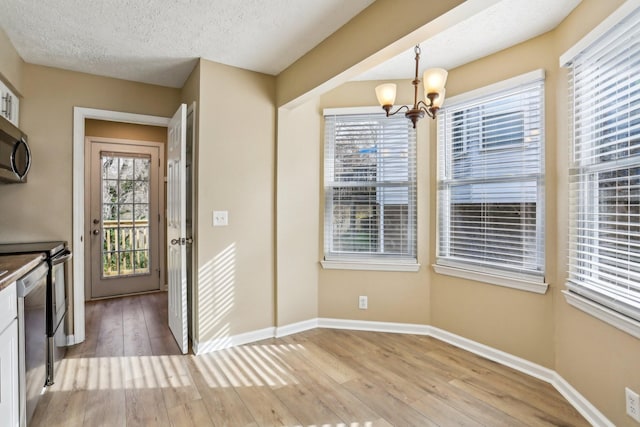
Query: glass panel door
<point x="125" y="215"/>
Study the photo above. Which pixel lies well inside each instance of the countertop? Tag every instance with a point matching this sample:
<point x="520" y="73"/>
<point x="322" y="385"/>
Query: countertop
<point x="17" y="266"/>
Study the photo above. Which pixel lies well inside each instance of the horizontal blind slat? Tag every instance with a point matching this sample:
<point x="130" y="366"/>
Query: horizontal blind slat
<point x="490" y="157"/>
<point x="604" y="177"/>
<point x="370" y="187"/>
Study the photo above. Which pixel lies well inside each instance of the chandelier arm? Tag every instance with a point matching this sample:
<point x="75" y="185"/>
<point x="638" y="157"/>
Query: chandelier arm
<point x="423" y="105"/>
<point x="429" y="111"/>
<point x="397" y="111"/>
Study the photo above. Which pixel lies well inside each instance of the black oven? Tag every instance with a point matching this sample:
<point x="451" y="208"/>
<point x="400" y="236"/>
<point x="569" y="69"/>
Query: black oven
<point x="15" y="155"/>
<point x="57" y="256"/>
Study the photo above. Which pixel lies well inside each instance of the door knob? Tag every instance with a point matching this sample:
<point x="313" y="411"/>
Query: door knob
<point x="96" y="221"/>
<point x="96" y="232"/>
<point x="175" y="241"/>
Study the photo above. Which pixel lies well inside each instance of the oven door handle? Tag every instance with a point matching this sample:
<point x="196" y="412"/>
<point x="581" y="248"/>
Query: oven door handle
<point x="64" y="256"/>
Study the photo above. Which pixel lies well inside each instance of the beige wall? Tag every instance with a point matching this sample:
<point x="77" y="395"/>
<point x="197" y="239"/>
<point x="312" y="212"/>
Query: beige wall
<point x="11" y="65"/>
<point x="298" y="183"/>
<point x="236" y="173"/>
<point x="108" y="129"/>
<point x="393" y="296"/>
<point x="41" y="209"/>
<point x="378" y="33"/>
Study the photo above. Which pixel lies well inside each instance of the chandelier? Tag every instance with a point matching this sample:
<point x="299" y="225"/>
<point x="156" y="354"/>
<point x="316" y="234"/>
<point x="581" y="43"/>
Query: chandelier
<point x="434" y="80"/>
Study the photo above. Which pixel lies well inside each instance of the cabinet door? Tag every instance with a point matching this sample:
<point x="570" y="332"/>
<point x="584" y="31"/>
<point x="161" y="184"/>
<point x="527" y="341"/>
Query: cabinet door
<point x="9" y="104"/>
<point x="9" y="375"/>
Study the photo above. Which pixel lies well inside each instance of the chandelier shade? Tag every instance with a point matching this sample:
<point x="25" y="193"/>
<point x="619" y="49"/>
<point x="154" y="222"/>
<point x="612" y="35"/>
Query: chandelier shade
<point x="386" y="93"/>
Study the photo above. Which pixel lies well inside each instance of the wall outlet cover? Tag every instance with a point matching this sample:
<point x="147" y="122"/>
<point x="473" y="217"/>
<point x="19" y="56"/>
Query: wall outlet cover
<point x="363" y="302"/>
<point x="633" y="403"/>
<point x="220" y="218"/>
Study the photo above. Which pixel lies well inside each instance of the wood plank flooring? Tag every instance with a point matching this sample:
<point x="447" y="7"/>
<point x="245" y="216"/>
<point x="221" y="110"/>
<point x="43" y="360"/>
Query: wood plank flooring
<point x="129" y="373"/>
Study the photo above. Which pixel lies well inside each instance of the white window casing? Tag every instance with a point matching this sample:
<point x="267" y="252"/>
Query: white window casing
<point x="604" y="171"/>
<point x="491" y="184"/>
<point x="370" y="191"/>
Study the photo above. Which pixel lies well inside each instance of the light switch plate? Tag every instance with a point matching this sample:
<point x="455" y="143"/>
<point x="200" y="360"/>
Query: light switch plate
<point x="220" y="218"/>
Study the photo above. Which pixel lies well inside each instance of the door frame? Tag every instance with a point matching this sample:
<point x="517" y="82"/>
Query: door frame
<point x="80" y="114"/>
<point x="160" y="200"/>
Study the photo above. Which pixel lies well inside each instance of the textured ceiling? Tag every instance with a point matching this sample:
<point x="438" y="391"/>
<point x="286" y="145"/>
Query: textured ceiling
<point x="158" y="41"/>
<point x="498" y="27"/>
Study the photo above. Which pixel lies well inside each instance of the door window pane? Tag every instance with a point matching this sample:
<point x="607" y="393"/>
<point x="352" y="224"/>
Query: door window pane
<point x="125" y="215"/>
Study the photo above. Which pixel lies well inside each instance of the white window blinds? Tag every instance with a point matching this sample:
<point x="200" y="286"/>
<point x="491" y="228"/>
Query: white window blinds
<point x="604" y="253"/>
<point x="490" y="180"/>
<point x="370" y="187"/>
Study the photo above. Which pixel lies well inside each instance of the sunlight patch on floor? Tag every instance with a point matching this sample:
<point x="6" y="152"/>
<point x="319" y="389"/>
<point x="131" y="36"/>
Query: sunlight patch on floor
<point x="244" y="366"/>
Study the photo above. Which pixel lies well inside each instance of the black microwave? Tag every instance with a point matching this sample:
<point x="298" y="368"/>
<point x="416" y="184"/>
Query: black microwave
<point x="15" y="155"/>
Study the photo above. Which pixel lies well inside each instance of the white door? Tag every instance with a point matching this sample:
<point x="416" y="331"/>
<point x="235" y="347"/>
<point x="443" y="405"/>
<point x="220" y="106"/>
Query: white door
<point x="176" y="227"/>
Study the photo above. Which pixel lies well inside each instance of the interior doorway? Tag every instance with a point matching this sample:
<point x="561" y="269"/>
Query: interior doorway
<point x="82" y="117"/>
<point x="124" y="217"/>
<point x="85" y="121"/>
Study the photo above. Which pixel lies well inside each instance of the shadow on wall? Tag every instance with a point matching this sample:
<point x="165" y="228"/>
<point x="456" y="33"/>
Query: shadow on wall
<point x="216" y="285"/>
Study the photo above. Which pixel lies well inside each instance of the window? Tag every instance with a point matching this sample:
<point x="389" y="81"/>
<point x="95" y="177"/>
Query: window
<point x="370" y="187"/>
<point x="604" y="175"/>
<point x="490" y="182"/>
<point x="502" y="129"/>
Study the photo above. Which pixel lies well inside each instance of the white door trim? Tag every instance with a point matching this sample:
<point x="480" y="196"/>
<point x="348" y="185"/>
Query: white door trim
<point x="80" y="114"/>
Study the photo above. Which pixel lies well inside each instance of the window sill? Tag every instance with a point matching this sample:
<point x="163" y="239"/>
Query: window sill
<point x="507" y="282"/>
<point x="371" y="265"/>
<point x="605" y="314"/>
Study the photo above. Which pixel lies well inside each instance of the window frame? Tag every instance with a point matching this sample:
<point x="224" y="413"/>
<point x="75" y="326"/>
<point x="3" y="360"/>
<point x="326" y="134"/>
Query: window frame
<point x="511" y="278"/>
<point x="369" y="261"/>
<point x="585" y="294"/>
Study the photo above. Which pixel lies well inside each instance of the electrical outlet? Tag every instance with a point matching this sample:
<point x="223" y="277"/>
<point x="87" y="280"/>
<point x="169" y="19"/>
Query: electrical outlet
<point x="220" y="218"/>
<point x="363" y="302"/>
<point x="633" y="403"/>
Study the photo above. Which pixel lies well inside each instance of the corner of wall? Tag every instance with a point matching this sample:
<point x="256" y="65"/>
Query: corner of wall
<point x="11" y="64"/>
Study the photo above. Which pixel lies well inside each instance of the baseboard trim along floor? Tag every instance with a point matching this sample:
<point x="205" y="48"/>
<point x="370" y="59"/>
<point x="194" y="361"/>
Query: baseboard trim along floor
<point x="577" y="400"/>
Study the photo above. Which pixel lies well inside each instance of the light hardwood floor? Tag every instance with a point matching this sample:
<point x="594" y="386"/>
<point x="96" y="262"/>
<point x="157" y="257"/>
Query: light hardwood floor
<point x="129" y="373"/>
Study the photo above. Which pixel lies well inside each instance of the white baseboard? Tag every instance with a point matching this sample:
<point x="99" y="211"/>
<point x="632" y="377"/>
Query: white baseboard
<point x="232" y="341"/>
<point x="71" y="340"/>
<point x="294" y="328"/>
<point x="495" y="355"/>
<point x="577" y="400"/>
<point x="364" y="325"/>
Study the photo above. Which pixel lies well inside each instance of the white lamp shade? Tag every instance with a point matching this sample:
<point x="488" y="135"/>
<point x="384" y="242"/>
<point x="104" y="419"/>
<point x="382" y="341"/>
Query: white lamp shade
<point x="434" y="80"/>
<point x="386" y="93"/>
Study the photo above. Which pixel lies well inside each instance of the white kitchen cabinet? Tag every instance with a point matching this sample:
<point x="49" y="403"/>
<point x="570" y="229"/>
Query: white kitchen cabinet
<point x="9" y="388"/>
<point x="9" y="104"/>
